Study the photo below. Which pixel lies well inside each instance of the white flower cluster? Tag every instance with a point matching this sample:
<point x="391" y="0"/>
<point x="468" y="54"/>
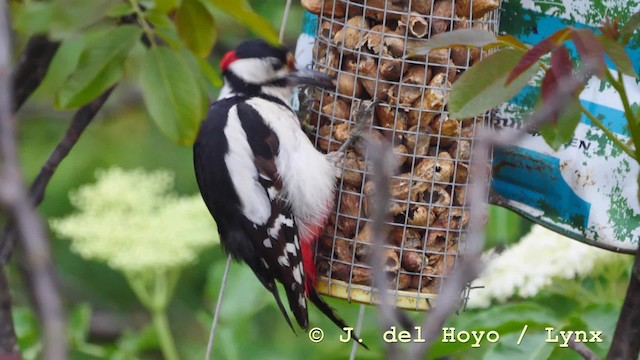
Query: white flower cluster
<point x="133" y="221"/>
<point x="533" y="263"/>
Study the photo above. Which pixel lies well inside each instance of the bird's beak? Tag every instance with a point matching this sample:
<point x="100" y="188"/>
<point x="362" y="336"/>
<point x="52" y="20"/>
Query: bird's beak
<point x="311" y="78"/>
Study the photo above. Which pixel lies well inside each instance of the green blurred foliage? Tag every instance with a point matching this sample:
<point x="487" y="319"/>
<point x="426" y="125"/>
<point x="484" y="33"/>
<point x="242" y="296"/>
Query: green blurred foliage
<point x="124" y="135"/>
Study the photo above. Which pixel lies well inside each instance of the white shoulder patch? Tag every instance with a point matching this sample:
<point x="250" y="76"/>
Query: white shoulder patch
<point x="244" y="175"/>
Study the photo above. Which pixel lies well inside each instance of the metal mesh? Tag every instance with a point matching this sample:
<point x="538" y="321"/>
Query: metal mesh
<point x="368" y="54"/>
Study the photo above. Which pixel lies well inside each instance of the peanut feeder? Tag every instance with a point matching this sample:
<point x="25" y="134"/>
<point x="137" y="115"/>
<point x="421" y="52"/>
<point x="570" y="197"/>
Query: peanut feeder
<point x="364" y="44"/>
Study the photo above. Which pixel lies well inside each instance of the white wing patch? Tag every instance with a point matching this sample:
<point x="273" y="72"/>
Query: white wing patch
<point x="291" y="248"/>
<point x="277" y="224"/>
<point x="282" y="260"/>
<point x="297" y="274"/>
<point x="267" y="243"/>
<point x="239" y="160"/>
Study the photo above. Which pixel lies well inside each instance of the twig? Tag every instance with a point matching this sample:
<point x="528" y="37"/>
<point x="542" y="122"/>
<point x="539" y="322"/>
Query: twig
<point x="468" y="268"/>
<point x="8" y="340"/>
<point x="581" y="349"/>
<point x="625" y="344"/>
<point x="613" y="137"/>
<point x="32" y="68"/>
<point x="29" y="228"/>
<point x="216" y="314"/>
<point x="358" y="331"/>
<point x="285" y="17"/>
<point x="81" y="119"/>
<point x="382" y="162"/>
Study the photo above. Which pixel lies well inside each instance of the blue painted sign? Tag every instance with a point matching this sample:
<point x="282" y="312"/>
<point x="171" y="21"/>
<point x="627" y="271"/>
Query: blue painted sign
<point x="588" y="189"/>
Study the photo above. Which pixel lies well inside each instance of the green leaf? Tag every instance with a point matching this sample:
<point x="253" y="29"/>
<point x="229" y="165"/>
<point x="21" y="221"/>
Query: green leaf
<point x="503" y="227"/>
<point x="513" y="41"/>
<point x="165" y="29"/>
<point x="120" y="9"/>
<point x="618" y="55"/>
<point x="99" y="67"/>
<point x="532" y="347"/>
<point x="482" y="87"/>
<point x="507" y="318"/>
<point x="630" y="27"/>
<point x="241" y="11"/>
<point x="561" y="133"/>
<point x="79" y="320"/>
<point x="59" y="19"/>
<point x="171" y="95"/>
<point x="462" y="37"/>
<point x="62" y="64"/>
<point x="164" y="6"/>
<point x="203" y="84"/>
<point x="210" y="74"/>
<point x="32" y="18"/>
<point x="196" y="27"/>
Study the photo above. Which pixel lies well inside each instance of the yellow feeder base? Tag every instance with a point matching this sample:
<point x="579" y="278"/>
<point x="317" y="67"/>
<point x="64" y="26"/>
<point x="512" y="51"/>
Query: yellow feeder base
<point x="367" y="295"/>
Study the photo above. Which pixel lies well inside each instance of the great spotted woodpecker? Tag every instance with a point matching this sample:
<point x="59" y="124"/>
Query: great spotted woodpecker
<point x="269" y="190"/>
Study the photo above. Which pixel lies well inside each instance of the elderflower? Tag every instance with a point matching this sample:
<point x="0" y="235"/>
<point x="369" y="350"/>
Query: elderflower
<point x="133" y="221"/>
<point x="533" y="263"/>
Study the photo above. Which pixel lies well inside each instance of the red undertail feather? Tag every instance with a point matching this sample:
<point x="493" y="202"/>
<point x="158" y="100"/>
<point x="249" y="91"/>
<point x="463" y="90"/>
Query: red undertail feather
<point x="307" y="243"/>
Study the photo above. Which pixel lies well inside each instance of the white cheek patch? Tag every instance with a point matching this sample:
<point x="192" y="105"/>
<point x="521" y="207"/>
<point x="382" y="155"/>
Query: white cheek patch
<point x="256" y="71"/>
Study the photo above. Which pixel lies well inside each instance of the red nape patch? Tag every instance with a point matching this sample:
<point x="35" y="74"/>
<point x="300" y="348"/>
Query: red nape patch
<point x="228" y="58"/>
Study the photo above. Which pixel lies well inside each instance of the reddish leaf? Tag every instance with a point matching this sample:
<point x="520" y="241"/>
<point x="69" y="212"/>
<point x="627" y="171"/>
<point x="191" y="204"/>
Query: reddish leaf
<point x="563" y="129"/>
<point x="618" y="55"/>
<point x="561" y="62"/>
<point x="629" y="27"/>
<point x="590" y="50"/>
<point x="610" y="29"/>
<point x="537" y="51"/>
<point x="549" y="86"/>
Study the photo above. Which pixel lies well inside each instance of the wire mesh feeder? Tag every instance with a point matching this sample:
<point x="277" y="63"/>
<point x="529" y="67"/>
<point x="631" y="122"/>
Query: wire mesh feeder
<point x="365" y="44"/>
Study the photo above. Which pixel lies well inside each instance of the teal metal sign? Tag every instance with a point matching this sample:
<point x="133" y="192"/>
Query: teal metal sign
<point x="588" y="189"/>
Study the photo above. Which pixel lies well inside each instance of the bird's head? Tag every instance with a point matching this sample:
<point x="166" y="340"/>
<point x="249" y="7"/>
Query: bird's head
<point x="255" y="66"/>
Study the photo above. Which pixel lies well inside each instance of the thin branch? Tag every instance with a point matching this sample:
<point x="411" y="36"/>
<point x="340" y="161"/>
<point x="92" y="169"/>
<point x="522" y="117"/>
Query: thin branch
<point x="79" y="123"/>
<point x="581" y="349"/>
<point x="634" y="127"/>
<point x="29" y="227"/>
<point x="8" y="340"/>
<point x="32" y="68"/>
<point x="381" y="157"/>
<point x="625" y="344"/>
<point x="595" y="121"/>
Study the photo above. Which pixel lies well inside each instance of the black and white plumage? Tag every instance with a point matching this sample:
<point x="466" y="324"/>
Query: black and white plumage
<point x="269" y="190"/>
